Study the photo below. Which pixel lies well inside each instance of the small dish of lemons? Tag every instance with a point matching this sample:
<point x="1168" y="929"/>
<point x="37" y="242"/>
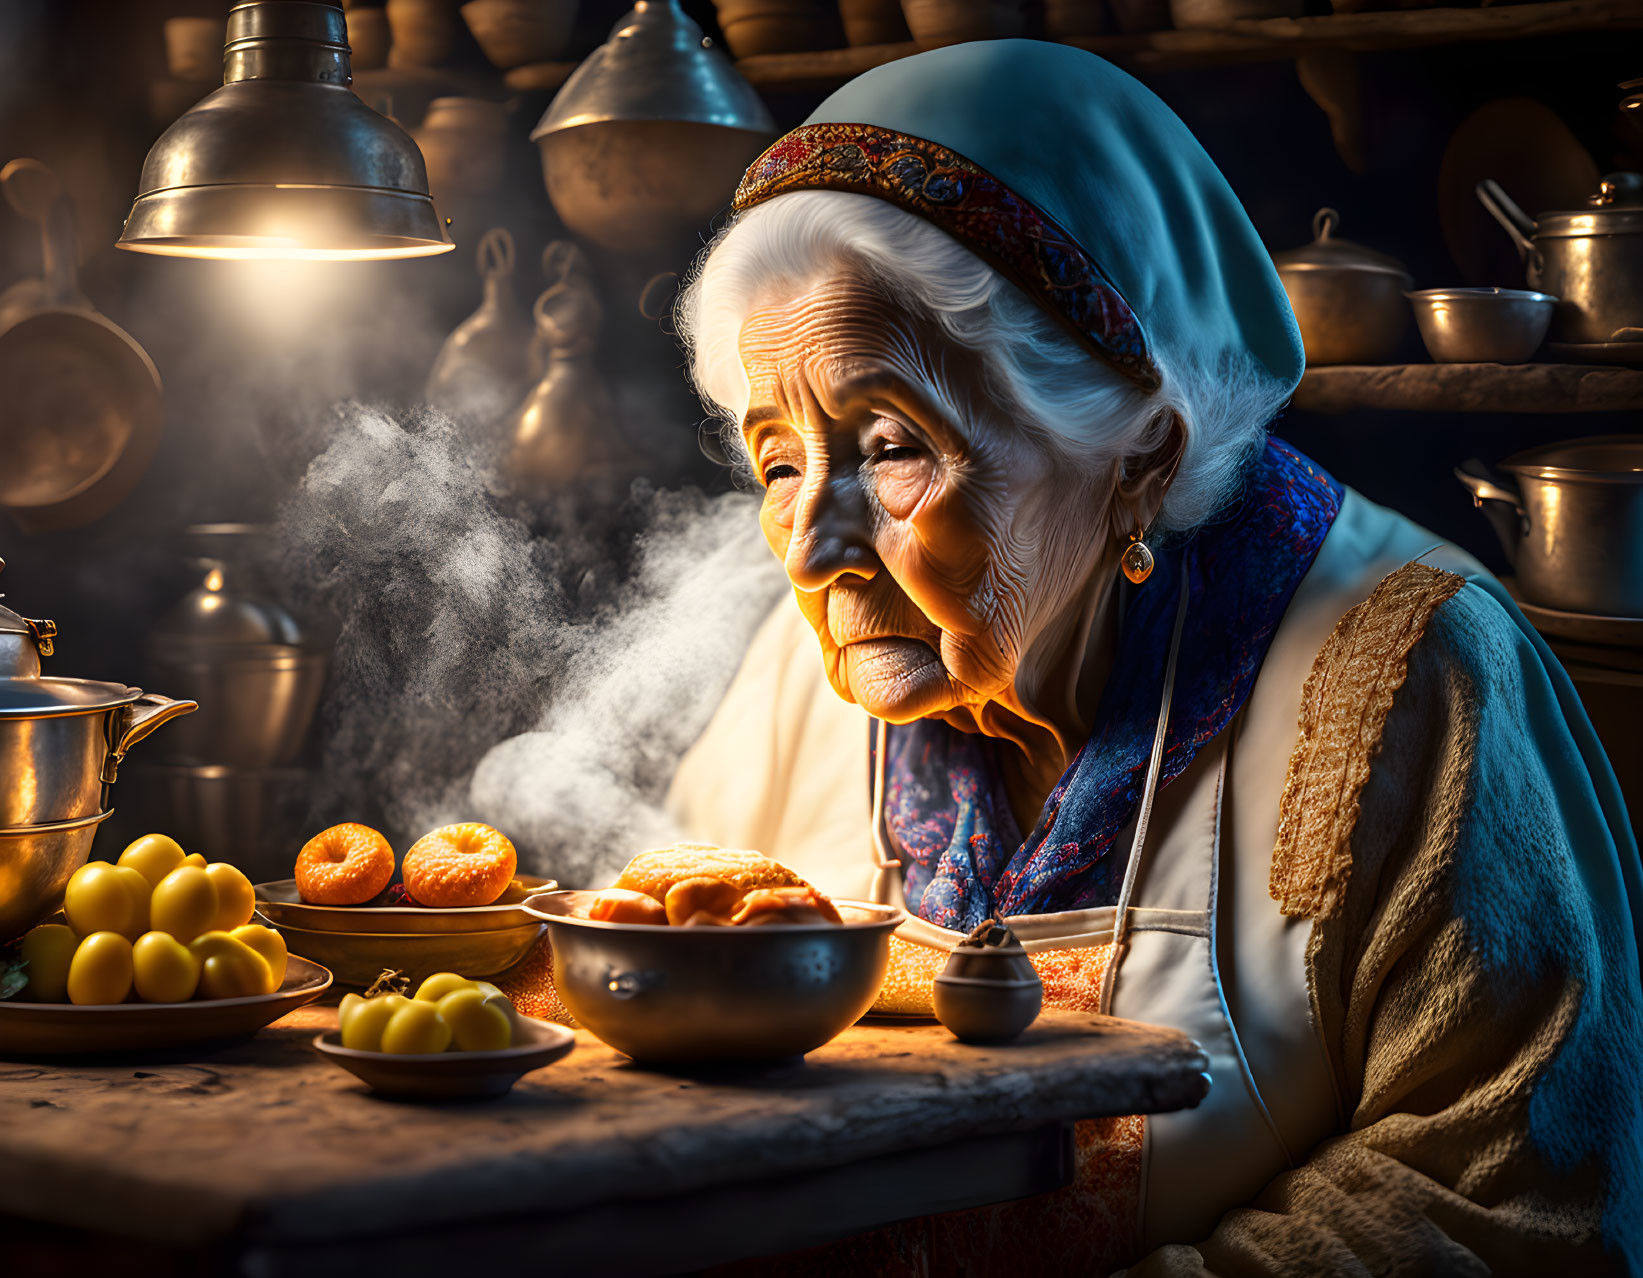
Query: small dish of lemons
<point x="454" y="1037"/>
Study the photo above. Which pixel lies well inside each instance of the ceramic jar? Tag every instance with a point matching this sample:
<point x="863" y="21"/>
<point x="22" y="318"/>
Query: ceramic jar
<point x="989" y="991"/>
<point x="869" y="22"/>
<point x="1217" y="13"/>
<point x="938" y="22"/>
<point x="424" y="31"/>
<point x="516" y="33"/>
<point x="368" y="38"/>
<point x="462" y="141"/>
<point x="777" y="26"/>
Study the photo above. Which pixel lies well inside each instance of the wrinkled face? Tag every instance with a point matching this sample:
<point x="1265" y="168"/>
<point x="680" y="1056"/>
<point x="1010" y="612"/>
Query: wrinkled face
<point x="943" y="554"/>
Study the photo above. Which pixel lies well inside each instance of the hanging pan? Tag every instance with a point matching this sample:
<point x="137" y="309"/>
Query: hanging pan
<point x="80" y="407"/>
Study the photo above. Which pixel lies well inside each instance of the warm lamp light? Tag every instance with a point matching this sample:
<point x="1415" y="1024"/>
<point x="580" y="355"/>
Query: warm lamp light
<point x="284" y="161"/>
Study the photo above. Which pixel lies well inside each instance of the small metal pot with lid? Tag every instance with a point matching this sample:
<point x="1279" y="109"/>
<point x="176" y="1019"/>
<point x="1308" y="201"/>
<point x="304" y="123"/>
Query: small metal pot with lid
<point x="62" y="740"/>
<point x="61" y="743"/>
<point x="241" y="655"/>
<point x="1348" y="299"/>
<point x="1590" y="259"/>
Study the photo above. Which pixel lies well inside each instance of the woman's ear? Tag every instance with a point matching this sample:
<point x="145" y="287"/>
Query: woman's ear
<point x="1143" y="481"/>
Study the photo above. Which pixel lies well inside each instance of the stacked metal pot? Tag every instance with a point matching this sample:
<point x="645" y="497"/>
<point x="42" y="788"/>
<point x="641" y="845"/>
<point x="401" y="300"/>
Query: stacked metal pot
<point x="229" y="780"/>
<point x="61" y="745"/>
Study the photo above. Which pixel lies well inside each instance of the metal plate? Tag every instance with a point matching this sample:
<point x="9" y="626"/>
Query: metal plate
<point x="1630" y="353"/>
<point x="358" y="959"/>
<point x="1579" y="627"/>
<point x="283" y="906"/>
<point x="63" y="1029"/>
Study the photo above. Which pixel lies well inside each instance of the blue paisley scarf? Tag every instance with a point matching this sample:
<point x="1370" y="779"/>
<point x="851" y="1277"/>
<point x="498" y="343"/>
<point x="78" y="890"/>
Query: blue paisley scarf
<point x="947" y="814"/>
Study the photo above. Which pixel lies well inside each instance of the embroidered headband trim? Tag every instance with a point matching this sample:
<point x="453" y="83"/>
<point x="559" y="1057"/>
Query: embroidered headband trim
<point x="975" y="208"/>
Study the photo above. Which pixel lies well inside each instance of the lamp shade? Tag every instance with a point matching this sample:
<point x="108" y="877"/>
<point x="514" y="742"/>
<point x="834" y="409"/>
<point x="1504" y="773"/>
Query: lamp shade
<point x="285" y="161"/>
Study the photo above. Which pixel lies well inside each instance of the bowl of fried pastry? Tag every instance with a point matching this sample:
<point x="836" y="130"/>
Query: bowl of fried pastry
<point x="698" y="954"/>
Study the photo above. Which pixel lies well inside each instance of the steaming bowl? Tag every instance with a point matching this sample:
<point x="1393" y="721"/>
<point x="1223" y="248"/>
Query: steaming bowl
<point x="678" y="995"/>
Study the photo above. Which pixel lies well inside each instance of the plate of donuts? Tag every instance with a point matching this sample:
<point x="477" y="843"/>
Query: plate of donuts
<point x="458" y="878"/>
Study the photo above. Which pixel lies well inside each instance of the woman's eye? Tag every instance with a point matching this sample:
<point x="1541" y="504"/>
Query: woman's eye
<point x="781" y="470"/>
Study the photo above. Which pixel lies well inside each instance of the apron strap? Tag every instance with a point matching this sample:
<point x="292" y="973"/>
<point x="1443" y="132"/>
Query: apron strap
<point x="1120" y="922"/>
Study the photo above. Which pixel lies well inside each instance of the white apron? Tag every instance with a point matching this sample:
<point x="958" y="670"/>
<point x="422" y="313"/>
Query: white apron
<point x="783" y="768"/>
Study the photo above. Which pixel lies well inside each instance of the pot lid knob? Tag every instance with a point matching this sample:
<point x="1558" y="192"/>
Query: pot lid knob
<point x="20" y="659"/>
<point x="1619" y="191"/>
<point x="1328" y="251"/>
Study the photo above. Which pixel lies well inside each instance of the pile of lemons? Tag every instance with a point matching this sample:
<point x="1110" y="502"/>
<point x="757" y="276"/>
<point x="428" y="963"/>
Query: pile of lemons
<point x="449" y="1013"/>
<point x="161" y="924"/>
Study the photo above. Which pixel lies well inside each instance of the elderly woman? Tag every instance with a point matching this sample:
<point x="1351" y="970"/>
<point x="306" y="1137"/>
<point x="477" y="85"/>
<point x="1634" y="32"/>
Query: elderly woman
<point x="1001" y="347"/>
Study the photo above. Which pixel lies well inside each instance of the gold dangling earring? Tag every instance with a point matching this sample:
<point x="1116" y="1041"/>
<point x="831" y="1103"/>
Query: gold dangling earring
<point x="1137" y="561"/>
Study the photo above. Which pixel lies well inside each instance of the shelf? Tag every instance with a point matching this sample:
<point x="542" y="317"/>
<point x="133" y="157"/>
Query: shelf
<point x="1249" y="40"/>
<point x="1471" y="388"/>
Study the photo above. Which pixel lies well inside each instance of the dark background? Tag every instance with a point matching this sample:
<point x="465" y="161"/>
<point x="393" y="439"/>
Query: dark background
<point x="246" y="400"/>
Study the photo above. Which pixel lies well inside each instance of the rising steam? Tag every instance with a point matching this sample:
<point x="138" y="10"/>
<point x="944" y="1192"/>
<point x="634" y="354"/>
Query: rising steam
<point x="501" y="664"/>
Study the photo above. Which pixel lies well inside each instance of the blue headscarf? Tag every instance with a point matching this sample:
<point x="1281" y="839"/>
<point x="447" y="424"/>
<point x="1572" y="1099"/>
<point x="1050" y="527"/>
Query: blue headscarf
<point x="1073" y="179"/>
<point x="1076" y="182"/>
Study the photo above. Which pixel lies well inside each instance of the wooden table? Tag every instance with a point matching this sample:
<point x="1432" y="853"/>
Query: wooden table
<point x="265" y="1159"/>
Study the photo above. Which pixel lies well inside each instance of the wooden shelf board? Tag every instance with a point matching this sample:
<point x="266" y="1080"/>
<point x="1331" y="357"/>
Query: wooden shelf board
<point x="1471" y="388"/>
<point x="1247" y="40"/>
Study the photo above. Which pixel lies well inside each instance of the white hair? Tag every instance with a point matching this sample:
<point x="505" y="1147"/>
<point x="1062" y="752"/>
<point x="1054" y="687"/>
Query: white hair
<point x="1039" y="374"/>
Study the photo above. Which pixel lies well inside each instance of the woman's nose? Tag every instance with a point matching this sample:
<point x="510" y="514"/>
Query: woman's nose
<point x="832" y="535"/>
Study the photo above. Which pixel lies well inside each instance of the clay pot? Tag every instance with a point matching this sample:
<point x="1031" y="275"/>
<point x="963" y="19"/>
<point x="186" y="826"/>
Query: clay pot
<point x="1217" y="13"/>
<point x="869" y="22"/>
<point x="462" y="141"/>
<point x="424" y="31"/>
<point x="169" y="97"/>
<point x="936" y="22"/>
<point x="368" y="38"/>
<point x="778" y="26"/>
<point x="988" y="992"/>
<point x="1063" y="18"/>
<point x="193" y="47"/>
<point x="1134" y="16"/>
<point x="516" y="33"/>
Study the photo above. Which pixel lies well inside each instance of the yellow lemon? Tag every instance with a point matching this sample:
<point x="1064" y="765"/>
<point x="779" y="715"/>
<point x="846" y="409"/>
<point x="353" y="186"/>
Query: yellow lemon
<point x="153" y="856"/>
<point x="165" y="970"/>
<point x="364" y="1020"/>
<point x="141" y="893"/>
<point x="236" y="899"/>
<point x="99" y="899"/>
<point x="476" y="1025"/>
<point x="48" y="950"/>
<point x="100" y="971"/>
<point x="416" y="1029"/>
<point x="440" y="984"/>
<point x="269" y="944"/>
<point x="233" y="973"/>
<point x="184" y="903"/>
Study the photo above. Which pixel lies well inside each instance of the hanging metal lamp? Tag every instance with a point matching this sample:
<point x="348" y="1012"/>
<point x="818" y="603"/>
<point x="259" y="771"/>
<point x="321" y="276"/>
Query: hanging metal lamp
<point x="285" y="161"/>
<point x="648" y="138"/>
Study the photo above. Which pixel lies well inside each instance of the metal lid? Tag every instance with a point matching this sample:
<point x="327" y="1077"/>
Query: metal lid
<point x="656" y="66"/>
<point x="1616" y="209"/>
<point x="223" y="610"/>
<point x="1599" y="459"/>
<point x="30" y="698"/>
<point x="23" y="641"/>
<point x="1326" y="252"/>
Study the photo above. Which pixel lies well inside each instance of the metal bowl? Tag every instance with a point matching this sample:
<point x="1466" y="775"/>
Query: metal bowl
<point x="358" y="958"/>
<point x="1482" y="325"/>
<point x="36" y="863"/>
<point x="691" y="994"/>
